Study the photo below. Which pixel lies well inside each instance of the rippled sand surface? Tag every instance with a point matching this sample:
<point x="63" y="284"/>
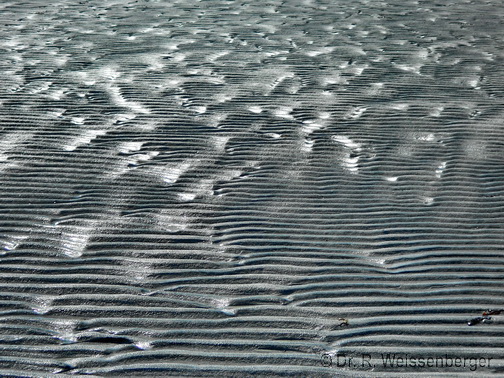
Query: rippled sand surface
<point x="238" y="188"/>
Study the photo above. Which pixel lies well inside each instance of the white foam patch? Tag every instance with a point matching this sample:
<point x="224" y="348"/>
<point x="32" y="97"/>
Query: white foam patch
<point x="144" y="345"/>
<point x="280" y="79"/>
<point x="229" y="311"/>
<point x="78" y="120"/>
<point x="348" y="162"/>
<point x="215" y="56"/>
<point x="276" y="53"/>
<point x="127" y="147"/>
<point x="347" y="142"/>
<point x="57" y="94"/>
<point x="198" y="109"/>
<point x="440" y="169"/>
<point x="377" y="261"/>
<point x="39" y="87"/>
<point x="60" y="61"/>
<point x="12" y="242"/>
<point x="85" y="138"/>
<point x="186" y="197"/>
<point x="400" y="106"/>
<point x="89" y="82"/>
<point x="179" y="57"/>
<point x="414" y="68"/>
<point x="65" y="329"/>
<point x="221" y="302"/>
<point x="473" y="82"/>
<point x="216" y="119"/>
<point x="145" y="157"/>
<point x="204" y="187"/>
<point x="333" y="79"/>
<point x="375" y="89"/>
<point x="230" y="174"/>
<point x="57" y="113"/>
<point x="154" y="61"/>
<point x="351" y="164"/>
<point x="310" y="126"/>
<point x="126" y="164"/>
<point x="74" y="241"/>
<point x="135" y="160"/>
<point x="109" y="73"/>
<point x="172" y="46"/>
<point x="273" y="135"/>
<point x="428" y="201"/>
<point x="124" y="117"/>
<point x="223" y="305"/>
<point x="488" y="56"/>
<point x="216" y="79"/>
<point x="173" y="83"/>
<point x="149" y="125"/>
<point x="320" y="51"/>
<point x="118" y="99"/>
<point x="283" y="112"/>
<point x="224" y="97"/>
<point x="436" y="111"/>
<point x="255" y="109"/>
<point x="307" y="145"/>
<point x="204" y="72"/>
<point x="427" y="137"/>
<point x="42" y="304"/>
<point x="5" y="164"/>
<point x="355" y="113"/>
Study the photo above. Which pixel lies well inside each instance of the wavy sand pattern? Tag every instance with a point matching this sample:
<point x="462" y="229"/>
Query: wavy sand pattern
<point x="216" y="187"/>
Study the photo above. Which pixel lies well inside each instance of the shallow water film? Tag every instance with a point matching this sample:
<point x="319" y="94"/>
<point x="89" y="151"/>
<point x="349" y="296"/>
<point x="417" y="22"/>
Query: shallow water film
<point x="251" y="188"/>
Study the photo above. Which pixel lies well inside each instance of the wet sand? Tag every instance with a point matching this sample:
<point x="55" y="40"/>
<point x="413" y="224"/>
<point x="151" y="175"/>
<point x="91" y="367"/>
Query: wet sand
<point x="268" y="188"/>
